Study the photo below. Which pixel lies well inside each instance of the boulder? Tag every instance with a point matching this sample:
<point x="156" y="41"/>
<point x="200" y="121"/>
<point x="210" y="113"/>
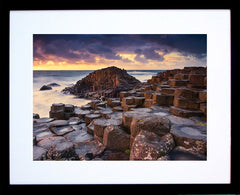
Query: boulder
<point x="58" y="123"/>
<point x="113" y="155"/>
<point x="57" y="107"/>
<point x="116" y="138"/>
<point x="45" y="87"/>
<point x="163" y="99"/>
<point x="169" y="91"/>
<point x="148" y="103"/>
<point x="184" y="92"/>
<point x="149" y="122"/>
<point x="185" y="113"/>
<point x="82" y="113"/>
<point x="36" y="116"/>
<point x="127" y="101"/>
<point x="128" y="107"/>
<point x="181" y="153"/>
<point x="86" y="107"/>
<point x="203" y="95"/>
<point x="62" y="130"/>
<point x="148" y="95"/>
<point x="117" y="109"/>
<point x="177" y="83"/>
<point x="101" y="124"/>
<point x="61" y="151"/>
<point x="127" y="117"/>
<point x="190" y="104"/>
<point x="90" y="117"/>
<point x="44" y="120"/>
<point x="40" y="135"/>
<point x="59" y="115"/>
<point x="196" y="79"/>
<point x="139" y="101"/>
<point x="68" y="108"/>
<point x="39" y="153"/>
<point x="75" y="121"/>
<point x="150" y="146"/>
<point x="78" y="136"/>
<point x="190" y="136"/>
<point x="48" y="142"/>
<point x="95" y="147"/>
<point x="53" y="85"/>
<point x="113" y="102"/>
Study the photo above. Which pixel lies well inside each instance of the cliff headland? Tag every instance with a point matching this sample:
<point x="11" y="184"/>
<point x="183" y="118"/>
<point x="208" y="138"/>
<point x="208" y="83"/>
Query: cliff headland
<point x="161" y="119"/>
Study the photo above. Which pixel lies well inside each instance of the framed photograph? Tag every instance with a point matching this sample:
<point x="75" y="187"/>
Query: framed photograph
<point x="120" y="97"/>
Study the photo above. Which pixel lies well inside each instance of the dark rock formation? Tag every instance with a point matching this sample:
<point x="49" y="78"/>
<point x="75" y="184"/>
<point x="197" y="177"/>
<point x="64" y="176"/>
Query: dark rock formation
<point x="107" y="82"/>
<point x="49" y="86"/>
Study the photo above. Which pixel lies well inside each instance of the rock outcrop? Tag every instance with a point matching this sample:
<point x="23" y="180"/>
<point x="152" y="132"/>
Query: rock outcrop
<point x="163" y="119"/>
<point x="107" y="82"/>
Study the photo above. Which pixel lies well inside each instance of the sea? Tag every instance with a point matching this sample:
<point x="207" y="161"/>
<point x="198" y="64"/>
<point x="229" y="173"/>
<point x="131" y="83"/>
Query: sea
<point x="42" y="100"/>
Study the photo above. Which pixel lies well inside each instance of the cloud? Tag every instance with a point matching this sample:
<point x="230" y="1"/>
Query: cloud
<point x="87" y="48"/>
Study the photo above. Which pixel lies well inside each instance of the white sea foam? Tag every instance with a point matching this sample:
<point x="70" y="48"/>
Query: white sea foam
<point x="42" y="100"/>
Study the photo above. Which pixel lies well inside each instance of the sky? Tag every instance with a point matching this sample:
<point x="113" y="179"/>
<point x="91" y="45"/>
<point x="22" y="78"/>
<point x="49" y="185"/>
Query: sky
<point x="128" y="51"/>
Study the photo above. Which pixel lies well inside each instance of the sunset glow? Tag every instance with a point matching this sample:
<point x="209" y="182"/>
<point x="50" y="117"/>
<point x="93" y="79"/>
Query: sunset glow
<point x="131" y="52"/>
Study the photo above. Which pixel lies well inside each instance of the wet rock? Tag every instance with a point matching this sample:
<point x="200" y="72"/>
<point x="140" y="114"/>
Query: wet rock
<point x="185" y="113"/>
<point x="101" y="124"/>
<point x="190" y="104"/>
<point x="90" y="128"/>
<point x="127" y="101"/>
<point x="113" y="102"/>
<point x="177" y="83"/>
<point x="184" y="92"/>
<point x="44" y="120"/>
<point x="149" y="146"/>
<point x="117" y="109"/>
<point x="163" y="99"/>
<point x="68" y="108"/>
<point x="114" y="155"/>
<point x="40" y="135"/>
<point x="58" y="123"/>
<point x="175" y="120"/>
<point x="139" y="101"/>
<point x="148" y="103"/>
<point x="128" y="107"/>
<point x="169" y="91"/>
<point x="81" y="113"/>
<point x="48" y="142"/>
<point x="61" y="151"/>
<point x="95" y="147"/>
<point x="105" y="113"/>
<point x="190" y="136"/>
<point x="57" y="107"/>
<point x="149" y="122"/>
<point x="56" y="114"/>
<point x="116" y="138"/>
<point x="203" y="95"/>
<point x="53" y="85"/>
<point x="127" y="117"/>
<point x="90" y="117"/>
<point x="39" y="153"/>
<point x="86" y="107"/>
<point x="36" y="116"/>
<point x="75" y="121"/>
<point x="181" y="153"/>
<point x="78" y="136"/>
<point x="61" y="130"/>
<point x="45" y="87"/>
<point x="148" y="95"/>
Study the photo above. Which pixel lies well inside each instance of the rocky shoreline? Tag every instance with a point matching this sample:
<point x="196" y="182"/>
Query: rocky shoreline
<point x="162" y="119"/>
